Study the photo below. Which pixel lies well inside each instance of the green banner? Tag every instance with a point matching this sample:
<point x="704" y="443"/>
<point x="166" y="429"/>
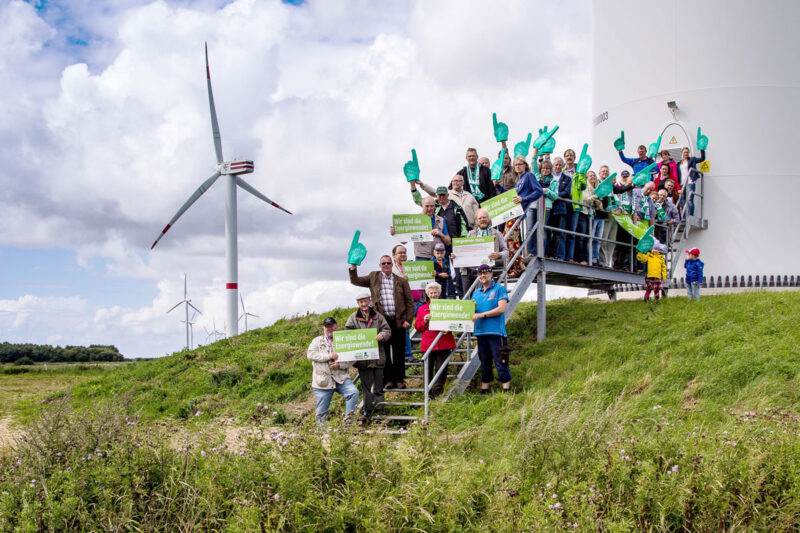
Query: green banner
<point x="626" y="223"/>
<point x="356" y="344"/>
<point x="502" y="208"/>
<point x="419" y="273"/>
<point x="452" y="315"/>
<point x="414" y="228"/>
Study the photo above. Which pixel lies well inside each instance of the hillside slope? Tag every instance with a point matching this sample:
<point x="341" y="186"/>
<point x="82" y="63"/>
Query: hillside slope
<point x="630" y="416"/>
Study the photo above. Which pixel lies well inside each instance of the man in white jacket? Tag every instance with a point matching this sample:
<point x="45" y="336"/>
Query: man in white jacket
<point x="329" y="375"/>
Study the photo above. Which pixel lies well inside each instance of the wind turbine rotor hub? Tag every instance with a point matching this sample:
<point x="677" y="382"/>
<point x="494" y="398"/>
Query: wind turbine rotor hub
<point x="236" y="167"/>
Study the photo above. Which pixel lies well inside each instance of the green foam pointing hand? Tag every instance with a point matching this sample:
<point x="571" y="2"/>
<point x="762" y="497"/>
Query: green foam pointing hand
<point x="544" y="140"/>
<point x="500" y="129"/>
<point x="357" y="251"/>
<point x="653" y="150"/>
<point x="411" y="168"/>
<point x="643" y="176"/>
<point x="702" y="140"/>
<point x="605" y="187"/>
<point x="585" y="160"/>
<point x="619" y="144"/>
<point x="523" y="147"/>
<point x="497" y="166"/>
<point x="647" y="241"/>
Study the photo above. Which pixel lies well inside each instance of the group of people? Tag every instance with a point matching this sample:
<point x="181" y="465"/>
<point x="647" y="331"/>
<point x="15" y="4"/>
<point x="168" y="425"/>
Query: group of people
<point x="571" y="204"/>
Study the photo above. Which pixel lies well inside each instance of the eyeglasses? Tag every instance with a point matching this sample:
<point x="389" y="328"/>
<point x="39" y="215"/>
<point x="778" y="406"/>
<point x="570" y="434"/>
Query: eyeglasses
<point x="385" y="263"/>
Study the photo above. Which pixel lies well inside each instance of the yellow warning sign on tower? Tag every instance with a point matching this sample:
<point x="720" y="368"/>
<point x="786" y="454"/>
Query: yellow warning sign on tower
<point x="673" y="140"/>
<point x="705" y="166"/>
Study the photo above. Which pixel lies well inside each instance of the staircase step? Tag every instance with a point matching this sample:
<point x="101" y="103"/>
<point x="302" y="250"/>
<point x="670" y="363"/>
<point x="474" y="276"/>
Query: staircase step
<point x="402" y="390"/>
<point x="412" y="404"/>
<point x="394" y="417"/>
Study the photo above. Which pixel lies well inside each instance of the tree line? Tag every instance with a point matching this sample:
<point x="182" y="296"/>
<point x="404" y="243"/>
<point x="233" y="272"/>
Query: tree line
<point x="44" y="353"/>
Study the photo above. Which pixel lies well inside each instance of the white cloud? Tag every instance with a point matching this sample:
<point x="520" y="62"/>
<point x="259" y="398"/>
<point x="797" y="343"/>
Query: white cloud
<point x="328" y="98"/>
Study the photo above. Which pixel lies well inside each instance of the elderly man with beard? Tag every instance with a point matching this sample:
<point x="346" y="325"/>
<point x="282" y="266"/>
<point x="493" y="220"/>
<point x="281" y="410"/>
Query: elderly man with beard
<point x="370" y="371"/>
<point x="483" y="229"/>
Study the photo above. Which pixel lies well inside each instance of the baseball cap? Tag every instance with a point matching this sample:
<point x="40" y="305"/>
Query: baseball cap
<point x="624" y="173"/>
<point x="694" y="251"/>
<point x="330" y="321"/>
<point x="441" y="190"/>
<point x="438" y="246"/>
<point x="484" y="268"/>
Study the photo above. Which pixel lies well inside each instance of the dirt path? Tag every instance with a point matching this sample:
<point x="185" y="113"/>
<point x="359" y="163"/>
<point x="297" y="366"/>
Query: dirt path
<point x="7" y="432"/>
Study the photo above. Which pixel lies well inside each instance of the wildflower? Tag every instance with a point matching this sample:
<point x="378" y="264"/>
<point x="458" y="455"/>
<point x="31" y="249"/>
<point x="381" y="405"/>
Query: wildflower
<point x="197" y="413"/>
<point x="276" y="497"/>
<point x="59" y="454"/>
<point x="555" y="496"/>
<point x="557" y="505"/>
<point x="656" y="408"/>
<point x="274" y="413"/>
<point x="202" y="453"/>
<point x="258" y="404"/>
<point x="675" y="469"/>
<point x="481" y="461"/>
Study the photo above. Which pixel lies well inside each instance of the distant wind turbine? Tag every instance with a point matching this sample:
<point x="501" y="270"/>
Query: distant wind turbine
<point x="215" y="332"/>
<point x="231" y="170"/>
<point x="245" y="314"/>
<point x="187" y="303"/>
<point x="191" y="329"/>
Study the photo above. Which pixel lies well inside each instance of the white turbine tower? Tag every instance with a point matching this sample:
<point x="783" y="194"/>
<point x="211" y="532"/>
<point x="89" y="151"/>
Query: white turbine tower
<point x="245" y="314"/>
<point x="231" y="170"/>
<point x="215" y="333"/>
<point x="187" y="303"/>
<point x="191" y="324"/>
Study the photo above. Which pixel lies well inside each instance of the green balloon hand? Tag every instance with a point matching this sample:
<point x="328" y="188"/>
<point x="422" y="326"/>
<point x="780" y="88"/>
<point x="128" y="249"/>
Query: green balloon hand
<point x="702" y="140"/>
<point x="497" y="166"/>
<point x="500" y="129"/>
<point x="653" y="150"/>
<point x="544" y="139"/>
<point x="647" y="241"/>
<point x="585" y="161"/>
<point x="357" y="251"/>
<point x="523" y="147"/>
<point x="411" y="168"/>
<point x="643" y="176"/>
<point x="605" y="187"/>
<point x="619" y="144"/>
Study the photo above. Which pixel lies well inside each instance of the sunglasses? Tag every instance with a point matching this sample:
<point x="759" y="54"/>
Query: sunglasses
<point x="385" y="263"/>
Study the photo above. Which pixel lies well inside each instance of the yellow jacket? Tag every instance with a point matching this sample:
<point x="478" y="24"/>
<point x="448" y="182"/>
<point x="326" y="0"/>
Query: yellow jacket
<point x="656" y="266"/>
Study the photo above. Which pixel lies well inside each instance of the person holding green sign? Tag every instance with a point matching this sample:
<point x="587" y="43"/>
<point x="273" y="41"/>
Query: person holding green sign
<point x="456" y="193"/>
<point x="329" y="375"/>
<point x="442" y="348"/>
<point x="370" y="372"/>
<point x="490" y="328"/>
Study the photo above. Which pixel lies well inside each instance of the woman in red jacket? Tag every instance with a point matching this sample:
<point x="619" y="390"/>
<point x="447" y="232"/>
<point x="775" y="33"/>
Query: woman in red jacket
<point x="442" y="348"/>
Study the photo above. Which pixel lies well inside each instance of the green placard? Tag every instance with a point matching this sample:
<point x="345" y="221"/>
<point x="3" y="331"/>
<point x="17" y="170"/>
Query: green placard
<point x="502" y="207"/>
<point x="626" y="223"/>
<point x="452" y="315"/>
<point x="419" y="273"/>
<point x="414" y="228"/>
<point x="356" y="344"/>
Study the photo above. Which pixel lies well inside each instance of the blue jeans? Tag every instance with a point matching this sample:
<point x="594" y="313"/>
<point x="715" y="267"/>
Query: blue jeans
<point x="560" y="222"/>
<point x="530" y="219"/>
<point x="571" y="225"/>
<point x="693" y="290"/>
<point x="347" y="389"/>
<point x="597" y="233"/>
<point x="488" y="353"/>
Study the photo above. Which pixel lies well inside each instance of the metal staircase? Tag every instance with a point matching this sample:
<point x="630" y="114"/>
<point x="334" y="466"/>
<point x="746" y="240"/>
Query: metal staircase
<point x="464" y="357"/>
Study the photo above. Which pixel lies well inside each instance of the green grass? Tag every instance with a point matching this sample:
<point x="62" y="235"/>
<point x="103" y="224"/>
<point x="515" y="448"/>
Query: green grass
<point x="629" y="417"/>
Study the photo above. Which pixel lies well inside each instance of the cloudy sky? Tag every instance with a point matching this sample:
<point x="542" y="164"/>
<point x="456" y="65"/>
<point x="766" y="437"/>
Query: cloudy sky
<point x="105" y="132"/>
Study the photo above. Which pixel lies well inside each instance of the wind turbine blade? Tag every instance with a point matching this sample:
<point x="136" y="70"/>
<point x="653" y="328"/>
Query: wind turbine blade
<point x="192" y="199"/>
<point x="196" y="309"/>
<point x="249" y="188"/>
<point x="176" y="305"/>
<point x="214" y="123"/>
<point x="242" y="300"/>
<point x="252" y="315"/>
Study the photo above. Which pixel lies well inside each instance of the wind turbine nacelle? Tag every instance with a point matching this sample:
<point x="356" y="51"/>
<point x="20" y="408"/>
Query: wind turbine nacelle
<point x="237" y="167"/>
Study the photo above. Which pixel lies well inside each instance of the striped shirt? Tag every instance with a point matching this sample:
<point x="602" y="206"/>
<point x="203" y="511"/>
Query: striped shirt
<point x="387" y="295"/>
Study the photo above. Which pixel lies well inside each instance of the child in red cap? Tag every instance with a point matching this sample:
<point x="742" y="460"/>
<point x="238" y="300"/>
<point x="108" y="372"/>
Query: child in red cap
<point x="694" y="273"/>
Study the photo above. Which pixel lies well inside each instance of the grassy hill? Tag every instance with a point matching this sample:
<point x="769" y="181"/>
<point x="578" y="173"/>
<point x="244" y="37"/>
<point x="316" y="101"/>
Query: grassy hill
<point x="630" y="416"/>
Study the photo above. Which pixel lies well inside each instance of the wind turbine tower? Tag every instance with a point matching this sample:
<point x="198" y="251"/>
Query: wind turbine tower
<point x="187" y="303"/>
<point x="231" y="170"/>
